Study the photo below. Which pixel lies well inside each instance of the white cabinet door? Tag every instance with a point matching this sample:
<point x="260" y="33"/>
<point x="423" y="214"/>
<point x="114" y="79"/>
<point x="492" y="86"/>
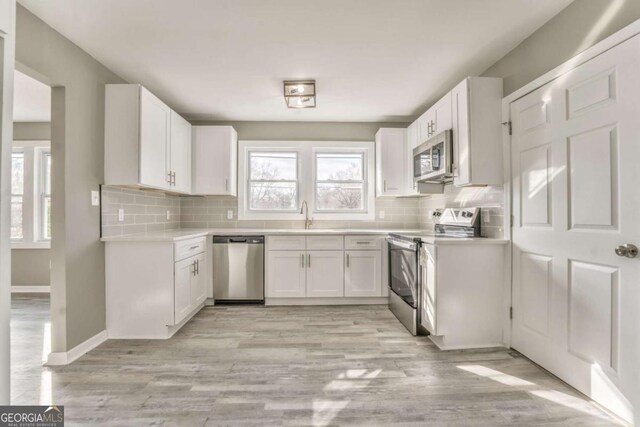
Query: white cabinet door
<point x="286" y="274"/>
<point x="155" y="119"/>
<point x="199" y="281"/>
<point x="424" y="126"/>
<point x="442" y="115"/>
<point x="180" y="155"/>
<point x="460" y="126"/>
<point x="325" y="274"/>
<point x="411" y="142"/>
<point x="390" y="162"/>
<point x="214" y="160"/>
<point x="363" y="274"/>
<point x="429" y="297"/>
<point x="182" y="289"/>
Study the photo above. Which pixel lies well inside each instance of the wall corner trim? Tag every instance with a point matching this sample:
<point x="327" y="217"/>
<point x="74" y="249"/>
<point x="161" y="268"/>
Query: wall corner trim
<point x="65" y="358"/>
<point x="46" y="289"/>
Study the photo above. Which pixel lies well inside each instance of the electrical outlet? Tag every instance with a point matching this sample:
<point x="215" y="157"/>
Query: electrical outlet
<point x="121" y="215"/>
<point x="229" y="214"/>
<point x="381" y="214"/>
<point x="486" y="216"/>
<point x="95" y="198"/>
<point x="168" y="214"/>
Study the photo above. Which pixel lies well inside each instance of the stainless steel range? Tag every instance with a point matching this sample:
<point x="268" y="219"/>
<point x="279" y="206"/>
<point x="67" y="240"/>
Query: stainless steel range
<point x="406" y="266"/>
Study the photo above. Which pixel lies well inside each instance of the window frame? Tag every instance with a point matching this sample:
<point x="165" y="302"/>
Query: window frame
<point x="42" y="154"/>
<point x="32" y="219"/>
<point x="249" y="181"/>
<point x="363" y="154"/>
<point x="306" y="179"/>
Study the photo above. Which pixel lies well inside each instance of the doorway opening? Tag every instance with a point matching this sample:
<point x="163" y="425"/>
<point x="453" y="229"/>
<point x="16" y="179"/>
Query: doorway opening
<point x="31" y="165"/>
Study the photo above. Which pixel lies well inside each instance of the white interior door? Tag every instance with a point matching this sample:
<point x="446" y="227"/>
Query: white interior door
<point x="576" y="197"/>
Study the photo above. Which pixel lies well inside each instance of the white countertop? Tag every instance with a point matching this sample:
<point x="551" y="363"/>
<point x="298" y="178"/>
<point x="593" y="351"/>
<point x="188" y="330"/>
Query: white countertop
<point x="190" y="233"/>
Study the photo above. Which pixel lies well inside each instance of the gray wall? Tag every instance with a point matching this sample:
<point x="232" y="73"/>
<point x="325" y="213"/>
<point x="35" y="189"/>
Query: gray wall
<point x="30" y="267"/>
<point x="7" y="57"/>
<point x="580" y="25"/>
<point x="32" y="131"/>
<point x="77" y="144"/>
<point x="305" y="131"/>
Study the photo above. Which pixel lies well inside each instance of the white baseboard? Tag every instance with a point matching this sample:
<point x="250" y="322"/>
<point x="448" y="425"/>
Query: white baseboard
<point x="64" y="358"/>
<point x="327" y="301"/>
<point x="31" y="289"/>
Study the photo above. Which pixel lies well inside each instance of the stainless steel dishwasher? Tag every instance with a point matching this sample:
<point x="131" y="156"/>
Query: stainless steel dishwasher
<point x="238" y="269"/>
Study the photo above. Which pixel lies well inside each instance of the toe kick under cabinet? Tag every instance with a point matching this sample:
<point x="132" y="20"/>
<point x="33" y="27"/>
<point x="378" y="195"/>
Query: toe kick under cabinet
<point x="154" y="288"/>
<point x="329" y="269"/>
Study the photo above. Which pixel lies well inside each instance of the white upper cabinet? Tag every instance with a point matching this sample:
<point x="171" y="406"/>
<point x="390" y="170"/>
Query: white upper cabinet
<point x="180" y="153"/>
<point x="390" y="162"/>
<point x="214" y="161"/>
<point x="435" y="120"/>
<point x="139" y="150"/>
<point x="477" y="133"/>
<point x="155" y="124"/>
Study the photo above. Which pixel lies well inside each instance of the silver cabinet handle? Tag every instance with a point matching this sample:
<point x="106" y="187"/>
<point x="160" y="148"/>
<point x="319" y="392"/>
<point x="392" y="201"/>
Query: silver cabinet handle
<point x="309" y="261"/>
<point x="302" y="260"/>
<point x="193" y="272"/>
<point x="226" y="185"/>
<point x="198" y="267"/>
<point x="174" y="179"/>
<point x="363" y="243"/>
<point x="384" y="184"/>
<point x="193" y="247"/>
<point x="169" y="178"/>
<point x="627" y="250"/>
<point x="347" y="260"/>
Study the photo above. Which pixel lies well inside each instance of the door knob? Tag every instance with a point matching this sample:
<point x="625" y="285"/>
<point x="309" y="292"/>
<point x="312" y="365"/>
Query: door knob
<point x="627" y="250"/>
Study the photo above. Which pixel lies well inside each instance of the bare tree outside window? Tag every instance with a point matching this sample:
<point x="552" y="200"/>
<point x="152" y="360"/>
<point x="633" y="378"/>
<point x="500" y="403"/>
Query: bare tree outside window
<point x="17" y="194"/>
<point x="340" y="182"/>
<point x="273" y="181"/>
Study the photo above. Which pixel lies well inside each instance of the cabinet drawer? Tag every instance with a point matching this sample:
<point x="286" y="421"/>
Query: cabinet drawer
<point x="285" y="243"/>
<point x="363" y="242"/>
<point x="319" y="243"/>
<point x="187" y="248"/>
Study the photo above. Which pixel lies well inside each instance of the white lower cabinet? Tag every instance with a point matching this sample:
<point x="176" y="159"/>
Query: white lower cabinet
<point x="152" y="288"/>
<point x="363" y="274"/>
<point x="332" y="272"/>
<point x="286" y="277"/>
<point x="182" y="290"/>
<point x="325" y="274"/>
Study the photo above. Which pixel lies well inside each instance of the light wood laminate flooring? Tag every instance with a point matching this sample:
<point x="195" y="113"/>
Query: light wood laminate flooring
<point x="282" y="366"/>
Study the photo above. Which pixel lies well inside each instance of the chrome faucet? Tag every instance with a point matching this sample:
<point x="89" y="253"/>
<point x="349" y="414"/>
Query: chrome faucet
<point x="305" y="209"/>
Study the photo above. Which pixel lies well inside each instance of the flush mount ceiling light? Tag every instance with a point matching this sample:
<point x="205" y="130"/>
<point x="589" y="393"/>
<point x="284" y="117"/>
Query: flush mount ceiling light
<point x="300" y="93"/>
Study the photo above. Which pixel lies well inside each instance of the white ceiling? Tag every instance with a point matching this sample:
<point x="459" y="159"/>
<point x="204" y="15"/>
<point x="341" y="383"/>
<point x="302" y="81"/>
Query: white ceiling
<point x="374" y="60"/>
<point x="31" y="99"/>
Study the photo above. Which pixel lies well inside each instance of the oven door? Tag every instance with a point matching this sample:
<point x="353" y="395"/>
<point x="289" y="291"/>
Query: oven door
<point x="403" y="270"/>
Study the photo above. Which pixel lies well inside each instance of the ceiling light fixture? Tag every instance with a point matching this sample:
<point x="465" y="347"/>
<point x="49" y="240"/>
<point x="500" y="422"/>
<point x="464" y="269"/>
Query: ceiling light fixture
<point x="300" y="93"/>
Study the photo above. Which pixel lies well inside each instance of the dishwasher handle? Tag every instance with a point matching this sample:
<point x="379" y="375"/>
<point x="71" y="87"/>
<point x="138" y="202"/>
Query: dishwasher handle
<point x="238" y="239"/>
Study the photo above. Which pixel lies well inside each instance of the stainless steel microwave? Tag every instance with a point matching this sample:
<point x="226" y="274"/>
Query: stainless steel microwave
<point x="433" y="159"/>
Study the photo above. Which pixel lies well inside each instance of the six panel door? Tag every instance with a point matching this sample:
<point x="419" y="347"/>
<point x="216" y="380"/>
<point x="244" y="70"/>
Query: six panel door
<point x="575" y="148"/>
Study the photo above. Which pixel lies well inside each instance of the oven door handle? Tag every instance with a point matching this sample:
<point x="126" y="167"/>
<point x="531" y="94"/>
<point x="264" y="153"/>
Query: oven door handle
<point x="401" y="244"/>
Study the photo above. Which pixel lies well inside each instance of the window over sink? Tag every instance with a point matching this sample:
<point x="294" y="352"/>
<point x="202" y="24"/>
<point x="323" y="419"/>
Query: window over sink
<point x="335" y="178"/>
